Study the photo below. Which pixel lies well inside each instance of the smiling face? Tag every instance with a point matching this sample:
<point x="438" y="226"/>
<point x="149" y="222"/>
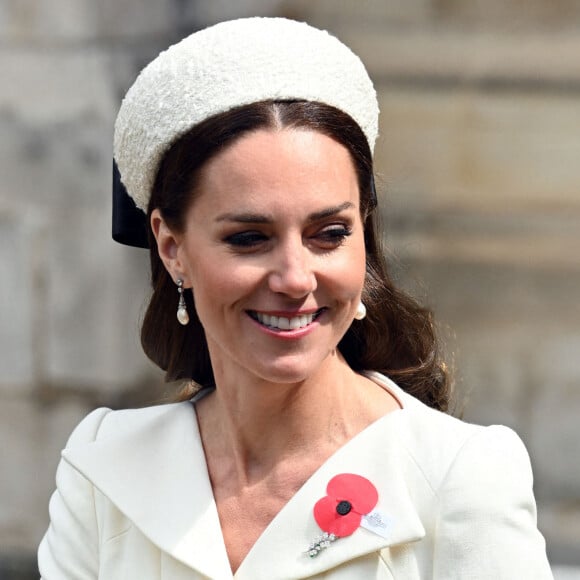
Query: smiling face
<point x="273" y="248"/>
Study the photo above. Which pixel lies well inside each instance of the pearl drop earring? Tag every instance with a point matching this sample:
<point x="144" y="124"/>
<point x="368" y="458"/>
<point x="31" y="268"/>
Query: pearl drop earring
<point x="182" y="315"/>
<point x="361" y="311"/>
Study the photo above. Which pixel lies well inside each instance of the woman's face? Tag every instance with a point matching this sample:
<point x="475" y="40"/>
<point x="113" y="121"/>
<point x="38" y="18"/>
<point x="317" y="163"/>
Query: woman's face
<point x="273" y="249"/>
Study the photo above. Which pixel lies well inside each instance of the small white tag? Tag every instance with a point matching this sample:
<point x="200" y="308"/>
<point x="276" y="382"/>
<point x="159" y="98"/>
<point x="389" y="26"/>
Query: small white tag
<point x="377" y="523"/>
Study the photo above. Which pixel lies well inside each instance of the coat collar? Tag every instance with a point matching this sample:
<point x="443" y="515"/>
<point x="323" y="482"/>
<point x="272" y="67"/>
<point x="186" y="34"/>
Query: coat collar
<point x="150" y="464"/>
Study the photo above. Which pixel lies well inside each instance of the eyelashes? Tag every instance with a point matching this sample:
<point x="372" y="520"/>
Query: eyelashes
<point x="245" y="239"/>
<point x="334" y="236"/>
<point x="326" y="238"/>
<point x="335" y="232"/>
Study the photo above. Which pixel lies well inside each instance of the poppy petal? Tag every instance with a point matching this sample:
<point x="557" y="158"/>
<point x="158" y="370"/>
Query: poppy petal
<point x="358" y="490"/>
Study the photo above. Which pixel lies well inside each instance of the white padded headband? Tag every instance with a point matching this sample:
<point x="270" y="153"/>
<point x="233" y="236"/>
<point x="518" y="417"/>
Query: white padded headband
<point x="225" y="66"/>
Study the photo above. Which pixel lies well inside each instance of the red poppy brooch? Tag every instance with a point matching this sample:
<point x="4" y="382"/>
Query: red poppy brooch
<point x="349" y="498"/>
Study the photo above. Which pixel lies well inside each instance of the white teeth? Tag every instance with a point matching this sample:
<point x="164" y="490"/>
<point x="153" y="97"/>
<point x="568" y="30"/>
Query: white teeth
<point x="296" y="322"/>
<point x="283" y="323"/>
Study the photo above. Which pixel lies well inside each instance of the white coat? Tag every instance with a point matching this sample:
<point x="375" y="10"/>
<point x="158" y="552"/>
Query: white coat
<point x="134" y="501"/>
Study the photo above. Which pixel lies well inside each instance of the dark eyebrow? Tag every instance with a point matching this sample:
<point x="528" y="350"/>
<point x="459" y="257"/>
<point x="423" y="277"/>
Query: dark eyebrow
<point x="330" y="211"/>
<point x="244" y="218"/>
<point x="255" y="218"/>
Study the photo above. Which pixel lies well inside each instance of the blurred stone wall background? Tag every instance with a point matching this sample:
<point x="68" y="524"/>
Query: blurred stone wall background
<point x="479" y="173"/>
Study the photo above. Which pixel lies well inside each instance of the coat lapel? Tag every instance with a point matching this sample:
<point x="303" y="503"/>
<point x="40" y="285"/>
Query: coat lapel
<point x="280" y="552"/>
<point x="150" y="464"/>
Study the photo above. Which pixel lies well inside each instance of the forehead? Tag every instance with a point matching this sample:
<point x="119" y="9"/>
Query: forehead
<point x="294" y="162"/>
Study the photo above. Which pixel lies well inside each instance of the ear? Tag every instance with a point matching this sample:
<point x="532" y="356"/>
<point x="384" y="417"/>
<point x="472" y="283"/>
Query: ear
<point x="168" y="243"/>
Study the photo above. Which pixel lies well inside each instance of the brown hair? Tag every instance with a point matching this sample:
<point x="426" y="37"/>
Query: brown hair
<point x="397" y="337"/>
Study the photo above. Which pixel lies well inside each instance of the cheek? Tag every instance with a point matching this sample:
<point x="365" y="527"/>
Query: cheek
<point x="345" y="277"/>
<point x="210" y="286"/>
<point x="218" y="284"/>
<point x="205" y="270"/>
<point x="361" y="268"/>
<point x="354" y="268"/>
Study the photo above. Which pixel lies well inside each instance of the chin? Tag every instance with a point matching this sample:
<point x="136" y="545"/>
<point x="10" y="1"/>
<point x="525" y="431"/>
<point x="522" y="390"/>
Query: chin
<point x="290" y="371"/>
<point x="284" y="376"/>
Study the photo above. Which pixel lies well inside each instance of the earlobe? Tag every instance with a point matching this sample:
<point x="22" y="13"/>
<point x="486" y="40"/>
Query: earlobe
<point x="167" y="242"/>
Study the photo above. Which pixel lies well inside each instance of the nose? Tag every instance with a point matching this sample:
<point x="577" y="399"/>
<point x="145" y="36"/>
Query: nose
<point x="292" y="272"/>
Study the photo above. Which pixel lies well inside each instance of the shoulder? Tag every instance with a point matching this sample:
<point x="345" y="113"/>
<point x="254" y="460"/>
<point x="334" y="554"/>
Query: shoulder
<point x="440" y="445"/>
<point x="103" y="423"/>
<point x="480" y="483"/>
<point x="473" y="488"/>
<point x="440" y="440"/>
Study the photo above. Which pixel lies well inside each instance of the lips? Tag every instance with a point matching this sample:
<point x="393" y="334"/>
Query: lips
<point x="285" y="323"/>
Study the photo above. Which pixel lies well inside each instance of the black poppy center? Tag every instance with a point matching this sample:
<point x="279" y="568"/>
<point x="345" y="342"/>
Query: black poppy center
<point x="343" y="507"/>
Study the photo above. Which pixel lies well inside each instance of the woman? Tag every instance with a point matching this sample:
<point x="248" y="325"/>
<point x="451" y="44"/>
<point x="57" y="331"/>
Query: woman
<point x="249" y="148"/>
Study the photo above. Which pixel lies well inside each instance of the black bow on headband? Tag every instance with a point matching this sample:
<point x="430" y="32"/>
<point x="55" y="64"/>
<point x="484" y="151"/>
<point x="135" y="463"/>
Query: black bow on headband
<point x="129" y="222"/>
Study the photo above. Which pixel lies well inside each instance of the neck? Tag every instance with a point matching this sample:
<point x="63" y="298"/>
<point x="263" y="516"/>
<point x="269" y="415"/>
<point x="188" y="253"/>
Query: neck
<point x="258" y="426"/>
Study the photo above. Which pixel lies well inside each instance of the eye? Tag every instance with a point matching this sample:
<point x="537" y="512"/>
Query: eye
<point x="333" y="236"/>
<point x="249" y="239"/>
